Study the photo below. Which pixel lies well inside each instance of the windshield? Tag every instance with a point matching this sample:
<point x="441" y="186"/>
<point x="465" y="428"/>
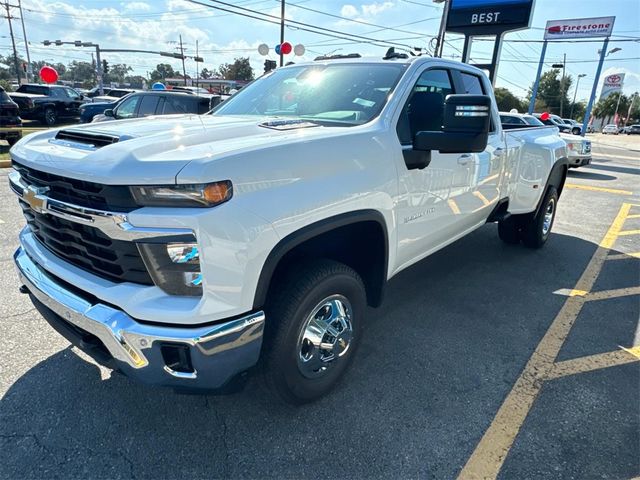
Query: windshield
<point x="344" y="94"/>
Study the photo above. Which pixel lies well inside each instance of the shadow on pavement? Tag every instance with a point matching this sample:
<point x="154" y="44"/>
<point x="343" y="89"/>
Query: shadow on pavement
<point x="435" y="365"/>
<point x="585" y="175"/>
<point x="613" y="168"/>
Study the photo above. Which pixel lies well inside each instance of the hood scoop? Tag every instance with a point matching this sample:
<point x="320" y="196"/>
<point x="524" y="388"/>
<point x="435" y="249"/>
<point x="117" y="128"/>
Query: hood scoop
<point x="288" y="124"/>
<point x="84" y="140"/>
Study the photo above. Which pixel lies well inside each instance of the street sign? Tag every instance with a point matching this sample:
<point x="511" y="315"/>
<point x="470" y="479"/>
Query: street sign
<point x="488" y="17"/>
<point x="579" y="28"/>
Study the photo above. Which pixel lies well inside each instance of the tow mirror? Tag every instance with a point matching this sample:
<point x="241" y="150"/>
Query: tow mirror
<point x="467" y="119"/>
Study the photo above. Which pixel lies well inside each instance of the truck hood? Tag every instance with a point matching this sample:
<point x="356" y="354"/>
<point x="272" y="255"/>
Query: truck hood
<point x="152" y="150"/>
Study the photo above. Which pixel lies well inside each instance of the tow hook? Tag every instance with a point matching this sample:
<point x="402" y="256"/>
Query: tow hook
<point x="24" y="289"/>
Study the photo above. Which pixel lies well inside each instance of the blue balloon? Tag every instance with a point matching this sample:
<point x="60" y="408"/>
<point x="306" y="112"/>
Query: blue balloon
<point x="277" y="49"/>
<point x="158" y="86"/>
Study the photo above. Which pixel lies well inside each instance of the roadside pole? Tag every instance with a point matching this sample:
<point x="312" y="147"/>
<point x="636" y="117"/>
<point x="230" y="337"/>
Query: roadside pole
<point x="99" y="70"/>
<point x="26" y="44"/>
<point x="564" y="70"/>
<point x="534" y="93"/>
<point x="281" y="31"/>
<point x="594" y="89"/>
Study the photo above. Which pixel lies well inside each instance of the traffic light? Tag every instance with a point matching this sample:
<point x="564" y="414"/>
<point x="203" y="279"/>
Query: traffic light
<point x="105" y="67"/>
<point x="269" y="65"/>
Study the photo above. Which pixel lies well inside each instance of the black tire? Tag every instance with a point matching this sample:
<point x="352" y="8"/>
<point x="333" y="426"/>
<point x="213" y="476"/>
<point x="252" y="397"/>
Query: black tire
<point x="536" y="231"/>
<point x="299" y="294"/>
<point x="49" y="117"/>
<point x="509" y="230"/>
<point x="576" y="131"/>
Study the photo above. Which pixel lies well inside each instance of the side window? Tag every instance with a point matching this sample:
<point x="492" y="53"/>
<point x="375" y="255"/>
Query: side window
<point x="148" y="105"/>
<point x="509" y="120"/>
<point x="173" y="104"/>
<point x="59" y="93"/>
<point x="73" y="95"/>
<point x="127" y="109"/>
<point x="424" y="110"/>
<point x="472" y="84"/>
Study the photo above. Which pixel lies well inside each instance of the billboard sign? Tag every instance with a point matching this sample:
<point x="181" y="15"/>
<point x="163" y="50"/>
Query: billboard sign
<point x="488" y="17"/>
<point x="612" y="84"/>
<point x="579" y="28"/>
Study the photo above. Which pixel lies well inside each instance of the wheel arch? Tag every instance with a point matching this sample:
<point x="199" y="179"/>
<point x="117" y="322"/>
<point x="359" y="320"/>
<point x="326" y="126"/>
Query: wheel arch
<point x="339" y="238"/>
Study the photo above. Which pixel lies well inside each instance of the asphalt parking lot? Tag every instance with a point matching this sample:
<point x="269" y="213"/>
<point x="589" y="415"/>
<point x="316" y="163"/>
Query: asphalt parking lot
<point x="485" y="361"/>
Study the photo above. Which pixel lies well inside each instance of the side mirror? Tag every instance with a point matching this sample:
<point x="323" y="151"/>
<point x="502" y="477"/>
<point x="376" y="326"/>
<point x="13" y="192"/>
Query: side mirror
<point x="109" y="112"/>
<point x="467" y="119"/>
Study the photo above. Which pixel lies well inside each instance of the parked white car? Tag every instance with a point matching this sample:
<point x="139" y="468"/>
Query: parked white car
<point x="610" y="129"/>
<point x="183" y="250"/>
<point x="578" y="148"/>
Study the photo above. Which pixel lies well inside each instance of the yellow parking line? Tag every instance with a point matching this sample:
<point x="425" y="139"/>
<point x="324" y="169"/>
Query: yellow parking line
<point x="488" y="179"/>
<point x="634" y="216"/>
<point x="453" y="206"/>
<point x="630" y="232"/>
<point x="623" y="256"/>
<point x="598" y="189"/>
<point x="490" y="453"/>
<point x="607" y="294"/>
<point x="482" y="198"/>
<point x="594" y="362"/>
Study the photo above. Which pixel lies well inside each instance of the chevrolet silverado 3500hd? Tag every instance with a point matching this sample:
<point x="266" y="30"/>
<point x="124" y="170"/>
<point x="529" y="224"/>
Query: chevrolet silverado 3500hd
<point x="184" y="250"/>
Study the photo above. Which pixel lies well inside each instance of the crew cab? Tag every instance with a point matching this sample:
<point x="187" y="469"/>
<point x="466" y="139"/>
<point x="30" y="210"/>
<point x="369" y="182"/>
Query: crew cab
<point x="578" y="148"/>
<point x="47" y="103"/>
<point x="185" y="250"/>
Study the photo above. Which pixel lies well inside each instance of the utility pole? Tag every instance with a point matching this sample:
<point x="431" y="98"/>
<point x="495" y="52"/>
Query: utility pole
<point x="99" y="72"/>
<point x="184" y="70"/>
<point x="13" y="40"/>
<point x="26" y="44"/>
<point x="443" y="27"/>
<point x="281" y="31"/>
<point x="564" y="69"/>
<point x="197" y="66"/>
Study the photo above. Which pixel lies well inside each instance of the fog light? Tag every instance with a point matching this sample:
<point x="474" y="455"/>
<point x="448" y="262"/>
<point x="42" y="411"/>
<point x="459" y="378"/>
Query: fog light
<point x="183" y="252"/>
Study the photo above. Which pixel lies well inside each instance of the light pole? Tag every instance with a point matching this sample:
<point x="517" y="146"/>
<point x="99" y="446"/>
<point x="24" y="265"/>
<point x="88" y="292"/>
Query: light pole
<point x="576" y="93"/>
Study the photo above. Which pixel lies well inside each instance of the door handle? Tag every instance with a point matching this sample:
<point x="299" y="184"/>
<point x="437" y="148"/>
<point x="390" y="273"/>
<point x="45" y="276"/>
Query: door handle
<point x="498" y="152"/>
<point x="464" y="159"/>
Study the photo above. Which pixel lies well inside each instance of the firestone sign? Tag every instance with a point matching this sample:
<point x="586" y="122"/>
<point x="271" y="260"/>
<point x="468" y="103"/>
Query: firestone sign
<point x="579" y="28"/>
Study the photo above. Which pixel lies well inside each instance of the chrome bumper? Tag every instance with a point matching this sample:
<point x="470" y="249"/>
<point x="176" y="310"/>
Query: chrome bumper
<point x="217" y="352"/>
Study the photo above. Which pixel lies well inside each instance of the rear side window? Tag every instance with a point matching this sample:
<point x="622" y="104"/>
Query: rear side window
<point x="472" y="84"/>
<point x="59" y="93"/>
<point x="204" y="105"/>
<point x="177" y="104"/>
<point x="33" y="89"/>
<point x="509" y="120"/>
<point x="148" y="105"/>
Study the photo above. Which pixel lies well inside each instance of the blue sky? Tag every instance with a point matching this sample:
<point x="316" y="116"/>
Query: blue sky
<point x="222" y="36"/>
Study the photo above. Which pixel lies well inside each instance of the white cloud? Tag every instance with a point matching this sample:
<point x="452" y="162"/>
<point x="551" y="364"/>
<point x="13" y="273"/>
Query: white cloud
<point x="137" y="6"/>
<point x="349" y="11"/>
<point x="374" y="9"/>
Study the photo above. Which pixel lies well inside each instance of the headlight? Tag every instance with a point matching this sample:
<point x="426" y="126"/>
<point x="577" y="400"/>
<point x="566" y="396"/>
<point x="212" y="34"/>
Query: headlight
<point x="174" y="267"/>
<point x="573" y="146"/>
<point x="199" y="195"/>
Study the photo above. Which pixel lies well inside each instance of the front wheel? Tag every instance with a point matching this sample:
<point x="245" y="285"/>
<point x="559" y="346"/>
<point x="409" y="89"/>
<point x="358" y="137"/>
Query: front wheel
<point x="49" y="117"/>
<point x="575" y="131"/>
<point x="536" y="232"/>
<point x="314" y="325"/>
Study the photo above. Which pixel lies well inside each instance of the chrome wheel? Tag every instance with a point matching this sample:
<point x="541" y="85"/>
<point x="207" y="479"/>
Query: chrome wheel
<point x="548" y="217"/>
<point x="50" y="116"/>
<point x="326" y="336"/>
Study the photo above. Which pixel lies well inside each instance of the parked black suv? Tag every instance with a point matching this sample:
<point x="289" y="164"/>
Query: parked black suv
<point x="47" y="103"/>
<point x="144" y="104"/>
<point x="10" y="122"/>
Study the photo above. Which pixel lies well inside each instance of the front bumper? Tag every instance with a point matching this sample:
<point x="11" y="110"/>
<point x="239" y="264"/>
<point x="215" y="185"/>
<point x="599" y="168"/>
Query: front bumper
<point x="208" y="356"/>
<point x="579" y="161"/>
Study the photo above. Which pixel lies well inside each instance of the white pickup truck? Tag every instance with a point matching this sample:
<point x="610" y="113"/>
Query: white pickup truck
<point x="185" y="250"/>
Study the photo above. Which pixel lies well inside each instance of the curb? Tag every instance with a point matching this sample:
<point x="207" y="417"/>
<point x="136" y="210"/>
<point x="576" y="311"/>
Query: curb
<point x="5" y="163"/>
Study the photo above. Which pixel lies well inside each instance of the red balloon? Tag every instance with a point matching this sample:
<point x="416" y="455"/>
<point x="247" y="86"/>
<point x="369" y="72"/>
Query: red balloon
<point x="48" y="74"/>
<point x="544" y="116"/>
<point x="286" y="48"/>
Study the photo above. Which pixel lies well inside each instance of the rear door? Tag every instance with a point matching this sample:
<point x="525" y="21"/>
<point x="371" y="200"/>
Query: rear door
<point x="148" y="105"/>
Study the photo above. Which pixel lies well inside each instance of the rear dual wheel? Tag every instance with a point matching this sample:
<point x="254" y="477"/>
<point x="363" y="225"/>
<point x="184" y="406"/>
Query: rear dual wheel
<point x="532" y="231"/>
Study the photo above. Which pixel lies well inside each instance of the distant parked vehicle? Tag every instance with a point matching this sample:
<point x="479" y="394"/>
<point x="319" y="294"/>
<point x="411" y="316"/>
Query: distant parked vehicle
<point x="95" y="91"/>
<point x="576" y="127"/>
<point x="164" y="102"/>
<point x="554" y="121"/>
<point x="114" y="94"/>
<point x="89" y="110"/>
<point x="633" y="130"/>
<point x="610" y="129"/>
<point x="10" y="122"/>
<point x="47" y="103"/>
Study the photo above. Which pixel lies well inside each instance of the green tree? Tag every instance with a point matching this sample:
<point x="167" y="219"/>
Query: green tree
<point x="83" y="72"/>
<point x="135" y="81"/>
<point x="240" y="69"/>
<point x="507" y="100"/>
<point x="206" y="73"/>
<point x="606" y="107"/>
<point x="552" y="91"/>
<point x="117" y="72"/>
<point x="162" y="71"/>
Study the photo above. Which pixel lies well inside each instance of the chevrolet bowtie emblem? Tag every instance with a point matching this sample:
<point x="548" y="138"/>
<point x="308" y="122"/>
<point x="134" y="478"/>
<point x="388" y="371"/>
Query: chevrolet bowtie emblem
<point x="34" y="197"/>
